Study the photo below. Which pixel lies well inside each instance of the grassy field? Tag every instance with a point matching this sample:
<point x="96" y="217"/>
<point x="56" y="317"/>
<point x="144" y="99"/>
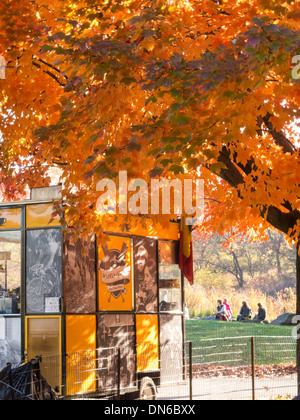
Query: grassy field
<point x="230" y="343"/>
<point x="197" y="329"/>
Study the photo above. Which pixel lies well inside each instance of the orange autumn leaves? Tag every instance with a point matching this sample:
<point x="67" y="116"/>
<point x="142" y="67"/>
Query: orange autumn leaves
<point x="94" y="87"/>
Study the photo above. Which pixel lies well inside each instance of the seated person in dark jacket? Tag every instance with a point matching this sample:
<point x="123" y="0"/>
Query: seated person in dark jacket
<point x="262" y="313"/>
<point x="245" y="312"/>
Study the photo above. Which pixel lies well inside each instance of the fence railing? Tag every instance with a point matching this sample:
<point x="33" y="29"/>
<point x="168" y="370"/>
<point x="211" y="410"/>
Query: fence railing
<point x="217" y="369"/>
<point x="245" y="368"/>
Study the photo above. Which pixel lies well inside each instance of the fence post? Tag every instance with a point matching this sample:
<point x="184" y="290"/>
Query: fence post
<point x="191" y="368"/>
<point x="119" y="373"/>
<point x="253" y="367"/>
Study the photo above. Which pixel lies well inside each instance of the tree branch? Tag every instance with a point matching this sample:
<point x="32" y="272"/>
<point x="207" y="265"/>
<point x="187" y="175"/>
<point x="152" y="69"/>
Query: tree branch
<point x="279" y="137"/>
<point x="276" y="217"/>
<point x="49" y="74"/>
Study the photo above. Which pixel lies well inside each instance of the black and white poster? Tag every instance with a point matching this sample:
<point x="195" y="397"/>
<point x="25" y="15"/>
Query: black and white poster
<point x="10" y="340"/>
<point x="116" y="331"/>
<point x="43" y="268"/>
<point x="145" y="273"/>
<point x="171" y="341"/>
<point x="80" y="277"/>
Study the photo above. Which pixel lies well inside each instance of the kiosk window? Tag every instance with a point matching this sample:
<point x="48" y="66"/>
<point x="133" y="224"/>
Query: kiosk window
<point x="10" y="272"/>
<point x="170" y="289"/>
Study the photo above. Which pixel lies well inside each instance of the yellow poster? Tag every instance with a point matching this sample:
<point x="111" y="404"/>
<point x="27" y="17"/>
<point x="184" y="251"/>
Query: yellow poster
<point x="115" y="274"/>
<point x="81" y="354"/>
<point x="147" y="342"/>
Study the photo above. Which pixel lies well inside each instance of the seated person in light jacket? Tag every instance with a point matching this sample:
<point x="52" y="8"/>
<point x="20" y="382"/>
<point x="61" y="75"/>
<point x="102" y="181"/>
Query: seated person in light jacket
<point x="221" y="314"/>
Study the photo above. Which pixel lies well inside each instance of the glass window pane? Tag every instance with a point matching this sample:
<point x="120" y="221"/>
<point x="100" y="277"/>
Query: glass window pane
<point x="10" y="272"/>
<point x="170" y="290"/>
<point x="10" y="218"/>
<point x="10" y="340"/>
<point x="43" y="268"/>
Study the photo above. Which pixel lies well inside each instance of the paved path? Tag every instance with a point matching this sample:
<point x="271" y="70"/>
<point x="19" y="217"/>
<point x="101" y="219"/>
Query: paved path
<point x="223" y="388"/>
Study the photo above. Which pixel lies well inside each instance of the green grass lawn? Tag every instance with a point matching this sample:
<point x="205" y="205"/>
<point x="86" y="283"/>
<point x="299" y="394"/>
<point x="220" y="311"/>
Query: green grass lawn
<point x="196" y="329"/>
<point x="230" y="342"/>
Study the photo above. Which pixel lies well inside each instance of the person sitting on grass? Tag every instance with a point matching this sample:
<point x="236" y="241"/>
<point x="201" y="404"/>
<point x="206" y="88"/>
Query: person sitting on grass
<point x="228" y="309"/>
<point x="221" y="314"/>
<point x="262" y="313"/>
<point x="245" y="312"/>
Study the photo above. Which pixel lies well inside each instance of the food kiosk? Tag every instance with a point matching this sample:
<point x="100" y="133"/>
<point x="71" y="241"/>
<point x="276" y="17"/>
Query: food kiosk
<point x="74" y="304"/>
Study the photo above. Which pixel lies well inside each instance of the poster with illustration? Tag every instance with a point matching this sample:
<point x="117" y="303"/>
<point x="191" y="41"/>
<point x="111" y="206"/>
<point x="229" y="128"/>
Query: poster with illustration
<point x="80" y="277"/>
<point x="115" y="274"/>
<point x="43" y="268"/>
<point x="145" y="273"/>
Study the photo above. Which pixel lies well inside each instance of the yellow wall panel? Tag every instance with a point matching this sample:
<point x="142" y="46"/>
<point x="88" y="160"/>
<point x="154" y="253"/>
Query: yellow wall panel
<point x="81" y="350"/>
<point x="115" y="275"/>
<point x="40" y="215"/>
<point x="81" y="332"/>
<point x="10" y="218"/>
<point x="147" y="342"/>
<point x="140" y="227"/>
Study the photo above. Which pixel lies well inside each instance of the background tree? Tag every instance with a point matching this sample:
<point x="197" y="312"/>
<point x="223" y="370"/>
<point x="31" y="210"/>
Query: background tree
<point x="269" y="266"/>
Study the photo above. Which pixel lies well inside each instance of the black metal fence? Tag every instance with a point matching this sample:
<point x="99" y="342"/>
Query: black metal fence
<point x="232" y="368"/>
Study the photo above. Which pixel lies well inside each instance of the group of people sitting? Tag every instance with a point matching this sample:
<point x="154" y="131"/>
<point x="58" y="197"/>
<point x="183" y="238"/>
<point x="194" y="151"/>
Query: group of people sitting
<point x="224" y="312"/>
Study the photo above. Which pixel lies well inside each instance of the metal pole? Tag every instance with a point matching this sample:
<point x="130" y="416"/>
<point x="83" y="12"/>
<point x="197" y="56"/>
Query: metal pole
<point x="191" y="368"/>
<point x="6" y="275"/>
<point x="119" y="373"/>
<point x="253" y="367"/>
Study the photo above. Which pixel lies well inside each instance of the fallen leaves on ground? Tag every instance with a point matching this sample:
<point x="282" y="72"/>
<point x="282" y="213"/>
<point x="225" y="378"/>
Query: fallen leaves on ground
<point x="262" y="371"/>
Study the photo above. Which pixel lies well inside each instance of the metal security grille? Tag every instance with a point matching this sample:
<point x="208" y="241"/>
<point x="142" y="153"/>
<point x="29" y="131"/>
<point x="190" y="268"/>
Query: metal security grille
<point x="235" y="368"/>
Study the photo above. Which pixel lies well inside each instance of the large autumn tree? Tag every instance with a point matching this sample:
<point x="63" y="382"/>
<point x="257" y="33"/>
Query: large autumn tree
<point x="157" y="88"/>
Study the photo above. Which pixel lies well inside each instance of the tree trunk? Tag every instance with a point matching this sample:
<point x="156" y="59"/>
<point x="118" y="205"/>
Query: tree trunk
<point x="238" y="270"/>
